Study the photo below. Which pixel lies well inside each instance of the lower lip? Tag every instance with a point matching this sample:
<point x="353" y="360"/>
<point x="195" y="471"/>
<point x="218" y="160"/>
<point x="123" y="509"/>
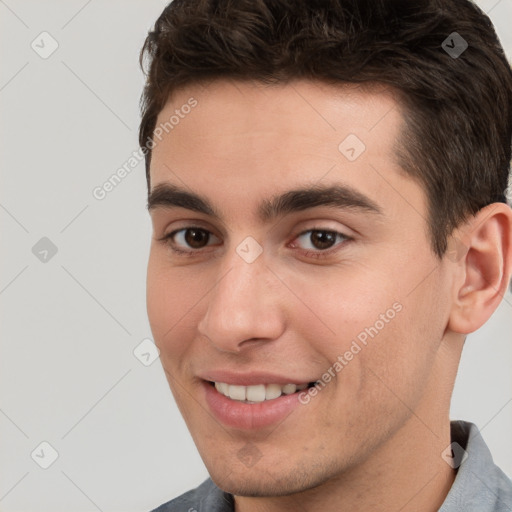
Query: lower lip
<point x="240" y="415"/>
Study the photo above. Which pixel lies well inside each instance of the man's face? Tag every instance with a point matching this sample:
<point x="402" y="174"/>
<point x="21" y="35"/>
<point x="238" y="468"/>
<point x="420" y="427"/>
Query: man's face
<point x="344" y="290"/>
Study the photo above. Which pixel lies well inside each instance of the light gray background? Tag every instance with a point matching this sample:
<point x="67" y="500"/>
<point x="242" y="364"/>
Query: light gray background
<point x="68" y="375"/>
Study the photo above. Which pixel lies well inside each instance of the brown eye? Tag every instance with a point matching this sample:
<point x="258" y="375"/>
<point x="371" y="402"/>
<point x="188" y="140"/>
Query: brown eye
<point x="318" y="243"/>
<point x="323" y="239"/>
<point x="189" y="240"/>
<point x="196" y="238"/>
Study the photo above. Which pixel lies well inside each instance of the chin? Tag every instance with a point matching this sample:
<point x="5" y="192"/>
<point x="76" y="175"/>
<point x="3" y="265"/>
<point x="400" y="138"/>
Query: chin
<point x="257" y="483"/>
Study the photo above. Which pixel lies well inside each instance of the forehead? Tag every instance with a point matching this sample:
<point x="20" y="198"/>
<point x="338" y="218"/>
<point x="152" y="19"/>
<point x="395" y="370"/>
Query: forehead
<point x="259" y="139"/>
<point x="298" y="108"/>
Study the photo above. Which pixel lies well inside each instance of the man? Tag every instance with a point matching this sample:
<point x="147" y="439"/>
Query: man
<point x="327" y="190"/>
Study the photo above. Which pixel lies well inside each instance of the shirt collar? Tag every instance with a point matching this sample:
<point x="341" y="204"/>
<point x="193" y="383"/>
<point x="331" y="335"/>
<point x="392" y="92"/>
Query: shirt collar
<point x="479" y="484"/>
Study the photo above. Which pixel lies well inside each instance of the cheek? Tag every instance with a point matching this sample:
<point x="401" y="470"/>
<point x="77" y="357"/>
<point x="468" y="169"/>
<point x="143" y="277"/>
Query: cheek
<point x="170" y="300"/>
<point x="160" y="300"/>
<point x="377" y="328"/>
<point x="400" y="355"/>
<point x="348" y="304"/>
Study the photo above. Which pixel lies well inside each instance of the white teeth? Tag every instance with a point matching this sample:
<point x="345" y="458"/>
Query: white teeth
<point x="272" y="391"/>
<point x="257" y="393"/>
<point x="236" y="392"/>
<point x="289" y="389"/>
<point x="222" y="387"/>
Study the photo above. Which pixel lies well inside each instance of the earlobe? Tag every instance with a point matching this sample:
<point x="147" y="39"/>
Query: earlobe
<point x="484" y="249"/>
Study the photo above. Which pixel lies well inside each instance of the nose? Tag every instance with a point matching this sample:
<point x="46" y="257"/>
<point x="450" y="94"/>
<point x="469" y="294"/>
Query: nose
<point x="243" y="308"/>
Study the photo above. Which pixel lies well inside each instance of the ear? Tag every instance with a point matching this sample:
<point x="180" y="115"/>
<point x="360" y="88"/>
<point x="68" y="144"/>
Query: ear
<point x="482" y="252"/>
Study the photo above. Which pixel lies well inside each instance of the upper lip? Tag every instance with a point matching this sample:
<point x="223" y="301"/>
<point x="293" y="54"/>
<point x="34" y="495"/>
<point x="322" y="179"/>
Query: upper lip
<point x="250" y="378"/>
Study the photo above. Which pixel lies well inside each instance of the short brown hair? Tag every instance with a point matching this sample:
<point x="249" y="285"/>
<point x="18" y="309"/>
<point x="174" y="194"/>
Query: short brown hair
<point x="457" y="108"/>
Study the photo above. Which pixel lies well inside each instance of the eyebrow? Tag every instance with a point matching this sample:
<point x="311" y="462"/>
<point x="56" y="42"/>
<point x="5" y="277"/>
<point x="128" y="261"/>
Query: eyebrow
<point x="344" y="197"/>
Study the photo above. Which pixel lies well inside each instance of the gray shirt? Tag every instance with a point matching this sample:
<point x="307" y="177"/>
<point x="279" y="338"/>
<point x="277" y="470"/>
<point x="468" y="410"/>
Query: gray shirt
<point x="479" y="486"/>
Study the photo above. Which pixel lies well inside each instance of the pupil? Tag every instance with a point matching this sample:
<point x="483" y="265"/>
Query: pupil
<point x="195" y="237"/>
<point x="323" y="239"/>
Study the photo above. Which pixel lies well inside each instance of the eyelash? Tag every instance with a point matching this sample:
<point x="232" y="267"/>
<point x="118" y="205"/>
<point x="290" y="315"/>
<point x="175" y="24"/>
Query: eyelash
<point x="319" y="253"/>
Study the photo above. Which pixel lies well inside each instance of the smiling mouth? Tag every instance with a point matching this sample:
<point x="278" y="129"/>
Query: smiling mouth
<point x="257" y="393"/>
